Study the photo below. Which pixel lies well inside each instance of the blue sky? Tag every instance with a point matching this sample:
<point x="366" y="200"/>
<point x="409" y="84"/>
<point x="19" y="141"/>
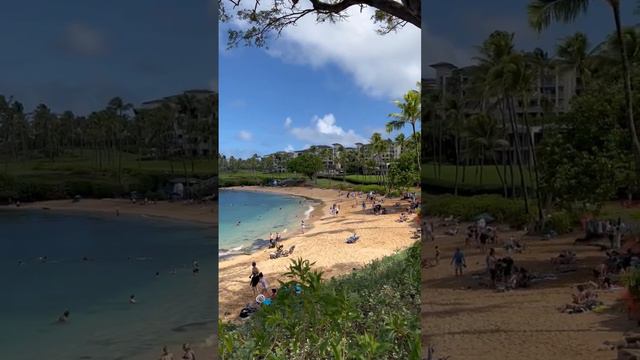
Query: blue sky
<point x="453" y="28"/>
<point x="77" y="54"/>
<point x="333" y="84"/>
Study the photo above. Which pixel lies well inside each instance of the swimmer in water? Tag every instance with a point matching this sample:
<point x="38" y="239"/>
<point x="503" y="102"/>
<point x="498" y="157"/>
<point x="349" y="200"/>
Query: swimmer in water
<point x="132" y="299"/>
<point x="64" y="318"/>
<point x="157" y="273"/>
<point x="166" y="355"/>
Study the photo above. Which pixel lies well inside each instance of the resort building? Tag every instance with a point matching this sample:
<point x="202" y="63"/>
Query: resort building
<point x="550" y="94"/>
<point x="333" y="156"/>
<point x="205" y="147"/>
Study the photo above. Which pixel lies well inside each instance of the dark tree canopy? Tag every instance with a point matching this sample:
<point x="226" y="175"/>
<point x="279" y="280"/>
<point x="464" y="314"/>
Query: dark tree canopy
<point x="264" y="21"/>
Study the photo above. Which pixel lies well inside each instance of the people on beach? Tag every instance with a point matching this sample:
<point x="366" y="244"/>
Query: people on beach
<point x="458" y="261"/>
<point x="166" y="355"/>
<point x="302" y="226"/>
<point x="491" y="262"/>
<point x="64" y="318"/>
<point x="262" y="281"/>
<point x="254" y="269"/>
<point x="188" y="353"/>
<point x="255" y="279"/>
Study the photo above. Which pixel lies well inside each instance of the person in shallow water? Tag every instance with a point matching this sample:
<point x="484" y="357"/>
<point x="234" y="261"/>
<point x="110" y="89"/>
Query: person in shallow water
<point x="166" y="355"/>
<point x="64" y="318"/>
<point x="188" y="353"/>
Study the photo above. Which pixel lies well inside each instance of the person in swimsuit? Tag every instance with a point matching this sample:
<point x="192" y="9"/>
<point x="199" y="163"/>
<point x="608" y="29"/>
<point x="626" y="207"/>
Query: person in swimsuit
<point x="166" y="355"/>
<point x="188" y="353"/>
<point x="64" y="318"/>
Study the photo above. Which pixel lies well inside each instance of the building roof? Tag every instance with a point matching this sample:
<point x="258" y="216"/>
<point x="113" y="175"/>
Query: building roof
<point x="443" y="64"/>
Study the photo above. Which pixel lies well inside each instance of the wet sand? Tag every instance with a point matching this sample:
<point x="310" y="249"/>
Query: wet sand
<point x="323" y="243"/>
<point x="464" y="320"/>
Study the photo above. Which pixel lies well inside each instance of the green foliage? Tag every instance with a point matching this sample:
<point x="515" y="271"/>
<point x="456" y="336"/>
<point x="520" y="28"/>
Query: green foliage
<point x="372" y="313"/>
<point x="631" y="281"/>
<point x="589" y="148"/>
<point x="403" y="173"/>
<point x="561" y="222"/>
<point x="306" y="164"/>
<point x="466" y="208"/>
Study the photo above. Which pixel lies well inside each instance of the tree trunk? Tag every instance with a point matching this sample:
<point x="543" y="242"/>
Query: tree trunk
<point x="627" y="82"/>
<point x="514" y="128"/>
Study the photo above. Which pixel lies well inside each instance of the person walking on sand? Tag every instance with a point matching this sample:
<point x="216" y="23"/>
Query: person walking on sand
<point x="458" y="261"/>
<point x="166" y="355"/>
<point x="188" y="353"/>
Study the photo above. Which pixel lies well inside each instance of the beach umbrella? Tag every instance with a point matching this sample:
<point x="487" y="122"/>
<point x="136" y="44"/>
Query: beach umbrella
<point x="487" y="218"/>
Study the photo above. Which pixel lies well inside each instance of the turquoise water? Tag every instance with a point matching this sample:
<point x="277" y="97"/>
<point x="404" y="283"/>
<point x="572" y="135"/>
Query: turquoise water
<point x="246" y="218"/>
<point x="124" y="254"/>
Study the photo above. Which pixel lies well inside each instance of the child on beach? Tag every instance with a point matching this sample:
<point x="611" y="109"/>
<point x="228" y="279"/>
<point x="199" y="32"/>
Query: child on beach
<point x="458" y="261"/>
<point x="166" y="355"/>
<point x="188" y="353"/>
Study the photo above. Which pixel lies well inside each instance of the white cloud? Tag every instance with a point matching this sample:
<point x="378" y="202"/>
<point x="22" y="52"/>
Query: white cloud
<point x="287" y="122"/>
<point x="245" y="135"/>
<point x="289" y="148"/>
<point x="324" y="130"/>
<point x="82" y="39"/>
<point x="383" y="66"/>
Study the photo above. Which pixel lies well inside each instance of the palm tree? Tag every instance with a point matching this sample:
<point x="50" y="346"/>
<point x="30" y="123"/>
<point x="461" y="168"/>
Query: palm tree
<point x="573" y="51"/>
<point x="409" y="114"/>
<point x="379" y="147"/>
<point x="543" y="12"/>
<point x="485" y="139"/>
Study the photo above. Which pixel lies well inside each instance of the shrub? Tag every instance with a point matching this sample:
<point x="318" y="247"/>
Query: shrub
<point x="561" y="222"/>
<point x="466" y="208"/>
<point x="343" y="318"/>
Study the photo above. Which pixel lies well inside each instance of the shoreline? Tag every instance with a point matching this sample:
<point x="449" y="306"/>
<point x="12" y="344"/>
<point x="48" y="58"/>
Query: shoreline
<point x="322" y="243"/>
<point x="203" y="214"/>
<point x="314" y="215"/>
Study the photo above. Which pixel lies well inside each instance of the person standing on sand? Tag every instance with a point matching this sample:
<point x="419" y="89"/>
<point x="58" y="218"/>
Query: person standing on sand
<point x="302" y="226"/>
<point x="188" y="353"/>
<point x="491" y="265"/>
<point x="458" y="261"/>
<point x="166" y="355"/>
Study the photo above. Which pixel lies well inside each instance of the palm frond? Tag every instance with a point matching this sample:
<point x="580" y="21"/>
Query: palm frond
<point x="544" y="12"/>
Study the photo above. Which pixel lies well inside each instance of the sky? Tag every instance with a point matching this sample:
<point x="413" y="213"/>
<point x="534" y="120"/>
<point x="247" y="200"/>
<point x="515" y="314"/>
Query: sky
<point x="77" y="54"/>
<point x="317" y="84"/>
<point x="452" y="29"/>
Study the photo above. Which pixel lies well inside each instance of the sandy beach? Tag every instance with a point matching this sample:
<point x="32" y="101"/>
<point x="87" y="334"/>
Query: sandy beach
<point x="323" y="243"/>
<point x="201" y="213"/>
<point x="196" y="213"/>
<point x="464" y="320"/>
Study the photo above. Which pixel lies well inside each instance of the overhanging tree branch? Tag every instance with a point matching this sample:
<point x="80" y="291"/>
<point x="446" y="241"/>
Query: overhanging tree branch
<point x="390" y="15"/>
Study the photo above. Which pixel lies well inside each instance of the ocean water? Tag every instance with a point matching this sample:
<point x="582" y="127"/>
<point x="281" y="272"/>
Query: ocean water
<point x="246" y="218"/>
<point x="124" y="254"/>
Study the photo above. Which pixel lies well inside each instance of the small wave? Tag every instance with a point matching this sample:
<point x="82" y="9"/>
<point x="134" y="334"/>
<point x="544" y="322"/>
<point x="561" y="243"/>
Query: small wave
<point x="229" y="252"/>
<point x="307" y="213"/>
